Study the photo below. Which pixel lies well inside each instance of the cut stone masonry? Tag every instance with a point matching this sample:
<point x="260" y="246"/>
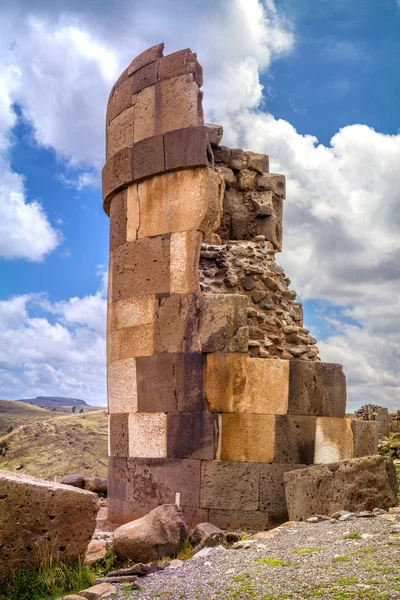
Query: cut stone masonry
<point x="215" y="388"/>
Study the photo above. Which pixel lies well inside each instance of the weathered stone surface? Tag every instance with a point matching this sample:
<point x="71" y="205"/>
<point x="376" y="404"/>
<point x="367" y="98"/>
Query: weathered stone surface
<point x="353" y="485"/>
<point x="170" y="382"/>
<point x="184" y="262"/>
<point x="120" y="132"/>
<point x="176" y="324"/>
<point x="334" y="440"/>
<point x="180" y="63"/>
<point x="98" y="592"/>
<point x="179" y="201"/>
<point x="145" y="77"/>
<point x="147" y="56"/>
<point x="229" y="485"/>
<point x="201" y="532"/>
<point x="96" y="550"/>
<point x="215" y="133"/>
<point x="132" y="212"/>
<point x="158" y="534"/>
<point x="118" y="220"/>
<point x="181" y="103"/>
<point x="76" y="480"/>
<point x="121" y="386"/>
<point x="147" y="435"/>
<point x="117" y="173"/>
<point x="272" y="182"/>
<point x="98" y="485"/>
<point x="317" y="389"/>
<point x="258" y="162"/>
<point x="272" y="488"/>
<point x="222" y="316"/>
<point x="147" y="157"/>
<point x="192" y="435"/>
<point x="234" y="382"/>
<point x="366" y="437"/>
<point x="129" y="342"/>
<point x="141" y="267"/>
<point x="145" y="114"/>
<point x="118" y="431"/>
<point x="187" y="147"/>
<point x="38" y="515"/>
<point x="255" y="520"/>
<point x="295" y="439"/>
<point x="120" y="100"/>
<point x="247" y="437"/>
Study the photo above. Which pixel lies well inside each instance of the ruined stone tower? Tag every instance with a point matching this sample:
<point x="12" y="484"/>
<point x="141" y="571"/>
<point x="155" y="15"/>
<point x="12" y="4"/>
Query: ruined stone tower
<point x="215" y="388"/>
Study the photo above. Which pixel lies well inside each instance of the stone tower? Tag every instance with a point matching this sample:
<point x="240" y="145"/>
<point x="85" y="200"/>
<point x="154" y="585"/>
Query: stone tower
<point x="215" y="388"/>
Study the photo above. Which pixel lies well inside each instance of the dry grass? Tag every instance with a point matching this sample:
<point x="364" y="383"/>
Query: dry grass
<point x="19" y="413"/>
<point x="51" y="447"/>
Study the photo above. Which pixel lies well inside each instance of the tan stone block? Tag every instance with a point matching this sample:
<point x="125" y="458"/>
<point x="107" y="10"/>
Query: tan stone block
<point x="334" y="440"/>
<point x="132" y="311"/>
<point x="229" y="485"/>
<point x="120" y="132"/>
<point x="120" y="99"/>
<point x="184" y="262"/>
<point x="132" y="212"/>
<point x="141" y="267"/>
<point x="181" y="103"/>
<point x="366" y="437"/>
<point x="148" y="435"/>
<point x="176" y="324"/>
<point x="118" y="220"/>
<point x="223" y="323"/>
<point x="247" y="437"/>
<point x="118" y="434"/>
<point x="145" y="113"/>
<point x="110" y="282"/>
<point x="235" y="382"/>
<point x="121" y="386"/>
<point x="182" y="200"/>
<point x="130" y="342"/>
<point x="272" y="182"/>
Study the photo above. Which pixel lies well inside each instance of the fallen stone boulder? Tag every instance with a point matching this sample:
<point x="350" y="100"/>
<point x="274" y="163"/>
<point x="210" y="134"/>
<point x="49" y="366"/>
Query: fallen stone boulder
<point x="159" y="533"/>
<point x="201" y="532"/>
<point x="96" y="484"/>
<point x="41" y="519"/>
<point x="358" y="484"/>
<point x="76" y="480"/>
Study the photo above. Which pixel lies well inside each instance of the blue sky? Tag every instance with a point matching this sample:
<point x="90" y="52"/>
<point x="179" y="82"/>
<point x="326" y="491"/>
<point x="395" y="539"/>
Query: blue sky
<point x="313" y="83"/>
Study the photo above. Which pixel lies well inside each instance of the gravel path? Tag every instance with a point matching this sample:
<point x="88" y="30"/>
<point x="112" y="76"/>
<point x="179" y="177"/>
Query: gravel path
<point x="303" y="560"/>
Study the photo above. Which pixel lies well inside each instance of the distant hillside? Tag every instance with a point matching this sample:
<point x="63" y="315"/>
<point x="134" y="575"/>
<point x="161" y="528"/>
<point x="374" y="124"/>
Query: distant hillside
<point x="54" y="401"/>
<point x="58" y="445"/>
<point x="18" y="413"/>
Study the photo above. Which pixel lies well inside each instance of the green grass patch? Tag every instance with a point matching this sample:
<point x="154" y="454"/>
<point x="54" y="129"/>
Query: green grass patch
<point x="352" y="536"/>
<point x="339" y="559"/>
<point x="273" y="562"/>
<point x="307" y="550"/>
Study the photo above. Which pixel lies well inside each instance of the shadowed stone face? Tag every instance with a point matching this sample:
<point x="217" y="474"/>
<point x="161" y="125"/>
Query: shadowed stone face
<point x="215" y="387"/>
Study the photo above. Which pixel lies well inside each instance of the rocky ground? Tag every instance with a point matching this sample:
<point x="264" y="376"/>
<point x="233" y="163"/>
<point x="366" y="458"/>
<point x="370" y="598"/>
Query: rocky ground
<point x="330" y="560"/>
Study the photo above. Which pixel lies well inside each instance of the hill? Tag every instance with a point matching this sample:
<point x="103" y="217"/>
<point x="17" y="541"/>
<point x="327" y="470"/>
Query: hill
<point x="58" y="445"/>
<point x="50" y="401"/>
<point x="17" y="413"/>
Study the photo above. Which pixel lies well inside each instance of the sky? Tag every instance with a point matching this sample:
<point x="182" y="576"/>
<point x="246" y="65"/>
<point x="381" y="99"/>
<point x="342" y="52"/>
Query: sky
<point x="312" y="83"/>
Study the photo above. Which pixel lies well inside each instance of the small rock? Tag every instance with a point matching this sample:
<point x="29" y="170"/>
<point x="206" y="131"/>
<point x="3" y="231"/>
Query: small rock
<point x="76" y="480"/>
<point x="365" y="514"/>
<point x="175" y="563"/>
<point x="312" y="520"/>
<point x="340" y="513"/>
<point x="98" y="485"/>
<point x="99" y="591"/>
<point x="367" y="536"/>
<point x="348" y="517"/>
<point x="96" y="549"/>
<point x="248" y="284"/>
<point x="207" y="551"/>
<point x="233" y="536"/>
<point x="380" y="511"/>
<point x="395" y="529"/>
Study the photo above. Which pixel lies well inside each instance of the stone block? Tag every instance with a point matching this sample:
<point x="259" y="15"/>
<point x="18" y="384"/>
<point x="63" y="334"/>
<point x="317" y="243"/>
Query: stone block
<point x="247" y="180"/>
<point x="215" y="133"/>
<point x="117" y="173"/>
<point x="118" y="431"/>
<point x="151" y="482"/>
<point x="170" y="382"/>
<point x="272" y="488"/>
<point x="180" y="63"/>
<point x="271" y="229"/>
<point x="366" y="437"/>
<point x="180" y="103"/>
<point x="117" y="476"/>
<point x="176" y="324"/>
<point x="130" y="342"/>
<point x="254" y="520"/>
<point x="146" y="57"/>
<point x="192" y="435"/>
<point x="187" y="148"/>
<point x="35" y="511"/>
<point x="194" y="516"/>
<point x="144" y="77"/>
<point x="121" y="386"/>
<point x="184" y="262"/>
<point x="120" y="132"/>
<point x="247" y="437"/>
<point x="229" y="485"/>
<point x="235" y="382"/>
<point x="118" y="220"/>
<point x="131" y="312"/>
<point x="353" y="485"/>
<point x="295" y="439"/>
<point x="317" y="389"/>
<point x="272" y="182"/>
<point x="141" y="267"/>
<point x="132" y="212"/>
<point x="179" y="201"/>
<point x="147" y="435"/>
<point x="148" y="157"/>
<point x="120" y="99"/>
<point x="257" y="162"/>
<point x="334" y="440"/>
<point x="145" y="114"/>
<point x="222" y="154"/>
<point x="223" y="321"/>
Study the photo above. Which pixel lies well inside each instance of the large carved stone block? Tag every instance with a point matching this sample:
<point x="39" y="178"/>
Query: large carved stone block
<point x="247" y="437"/>
<point x="120" y="99"/>
<point x="317" y="389"/>
<point x="147" y="435"/>
<point x="145" y="114"/>
<point x="223" y="323"/>
<point x="121" y="386"/>
<point x="120" y="132"/>
<point x="229" y="485"/>
<point x="253" y="520"/>
<point x="192" y="435"/>
<point x="272" y="488"/>
<point x="118" y="220"/>
<point x="146" y="57"/>
<point x="187" y="147"/>
<point x="176" y="324"/>
<point x="180" y="103"/>
<point x="180" y="63"/>
<point x="295" y="439"/>
<point x="366" y="437"/>
<point x="334" y="440"/>
<point x="234" y="382"/>
<point x="184" y="261"/>
<point x="147" y="157"/>
<point x="118" y="431"/>
<point x="144" y="77"/>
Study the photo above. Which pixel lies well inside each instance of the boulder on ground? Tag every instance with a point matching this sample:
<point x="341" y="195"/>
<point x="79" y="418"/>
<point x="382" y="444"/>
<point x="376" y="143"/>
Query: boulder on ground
<point x="353" y="485"/>
<point x="96" y="550"/>
<point x="42" y="519"/>
<point x="76" y="480"/>
<point x="96" y="484"/>
<point x="206" y="535"/>
<point x="159" y="533"/>
<point x="99" y="591"/>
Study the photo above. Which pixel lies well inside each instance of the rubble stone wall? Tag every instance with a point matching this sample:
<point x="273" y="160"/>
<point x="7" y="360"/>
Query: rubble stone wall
<point x="191" y="409"/>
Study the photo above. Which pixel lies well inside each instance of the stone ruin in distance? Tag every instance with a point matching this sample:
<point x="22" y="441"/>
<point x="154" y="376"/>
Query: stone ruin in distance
<point x="215" y="388"/>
